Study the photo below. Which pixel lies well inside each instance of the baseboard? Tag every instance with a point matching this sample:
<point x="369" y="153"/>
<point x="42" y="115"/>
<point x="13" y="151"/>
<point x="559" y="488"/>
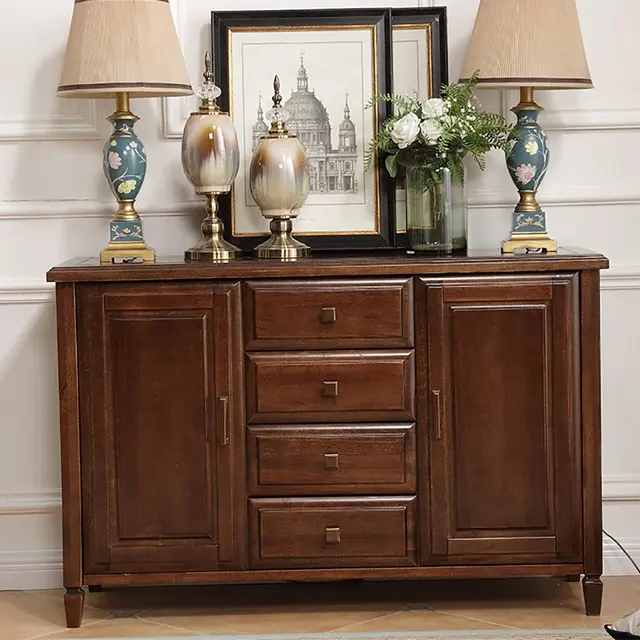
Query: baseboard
<point x="615" y="561"/>
<point x="38" y="569"/>
<point x="42" y="569"/>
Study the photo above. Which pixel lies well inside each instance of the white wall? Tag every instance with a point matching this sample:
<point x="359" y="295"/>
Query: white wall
<point x="55" y="204"/>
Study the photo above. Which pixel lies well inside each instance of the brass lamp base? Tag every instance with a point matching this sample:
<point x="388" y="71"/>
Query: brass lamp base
<point x="213" y="247"/>
<point x="529" y="241"/>
<point x="126" y="241"/>
<point x="128" y="251"/>
<point x="281" y="245"/>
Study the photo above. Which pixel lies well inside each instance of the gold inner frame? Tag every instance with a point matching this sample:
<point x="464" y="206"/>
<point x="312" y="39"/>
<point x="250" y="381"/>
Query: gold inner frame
<point x="374" y="48"/>
<point x="429" y="32"/>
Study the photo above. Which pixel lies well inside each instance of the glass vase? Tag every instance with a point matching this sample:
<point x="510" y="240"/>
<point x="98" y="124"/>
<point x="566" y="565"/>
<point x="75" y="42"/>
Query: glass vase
<point x="436" y="213"/>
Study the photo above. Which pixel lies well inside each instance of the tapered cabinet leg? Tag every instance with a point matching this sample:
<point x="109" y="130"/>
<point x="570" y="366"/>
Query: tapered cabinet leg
<point x="74" y="607"/>
<point x="592" y="590"/>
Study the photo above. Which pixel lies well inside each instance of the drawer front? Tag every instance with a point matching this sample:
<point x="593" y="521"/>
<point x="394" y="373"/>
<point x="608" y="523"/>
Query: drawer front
<point x="333" y="314"/>
<point x="358" y="459"/>
<point x="330" y="387"/>
<point x="339" y="532"/>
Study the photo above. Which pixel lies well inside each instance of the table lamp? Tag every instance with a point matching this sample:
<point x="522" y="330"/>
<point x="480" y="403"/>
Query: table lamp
<point x="530" y="45"/>
<point x="124" y="49"/>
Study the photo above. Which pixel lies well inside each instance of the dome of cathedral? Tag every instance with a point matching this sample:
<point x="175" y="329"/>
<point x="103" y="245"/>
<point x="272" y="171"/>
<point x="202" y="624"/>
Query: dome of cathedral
<point x="303" y="105"/>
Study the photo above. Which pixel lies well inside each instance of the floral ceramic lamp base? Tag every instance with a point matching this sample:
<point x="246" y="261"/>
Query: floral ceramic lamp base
<point x="528" y="161"/>
<point x="125" y="167"/>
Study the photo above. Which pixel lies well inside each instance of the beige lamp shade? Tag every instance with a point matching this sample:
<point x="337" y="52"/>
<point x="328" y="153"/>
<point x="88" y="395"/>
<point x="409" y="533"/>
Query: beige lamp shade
<point x="528" y="43"/>
<point x="118" y="46"/>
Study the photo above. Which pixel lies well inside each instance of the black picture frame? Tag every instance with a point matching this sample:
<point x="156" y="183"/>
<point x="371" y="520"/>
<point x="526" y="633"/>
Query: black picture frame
<point x="224" y="23"/>
<point x="434" y="20"/>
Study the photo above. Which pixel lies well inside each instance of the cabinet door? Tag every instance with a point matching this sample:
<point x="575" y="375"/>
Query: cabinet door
<point x="161" y="417"/>
<point x="499" y="415"/>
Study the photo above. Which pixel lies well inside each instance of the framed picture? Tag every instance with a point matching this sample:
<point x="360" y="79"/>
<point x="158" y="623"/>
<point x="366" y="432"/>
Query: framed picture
<point x="420" y="64"/>
<point x="330" y="64"/>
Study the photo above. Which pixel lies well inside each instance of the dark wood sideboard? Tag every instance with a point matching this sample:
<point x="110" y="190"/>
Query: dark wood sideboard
<point x="378" y="417"/>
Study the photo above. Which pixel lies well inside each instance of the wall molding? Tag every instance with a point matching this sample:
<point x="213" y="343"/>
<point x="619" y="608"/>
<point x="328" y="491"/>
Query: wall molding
<point x="577" y="119"/>
<point x="74" y="209"/>
<point x="176" y="111"/>
<point x="83" y="126"/>
<point x="621" y="488"/>
<point x="25" y="292"/>
<point x="14" y="504"/>
<point x="620" y="279"/>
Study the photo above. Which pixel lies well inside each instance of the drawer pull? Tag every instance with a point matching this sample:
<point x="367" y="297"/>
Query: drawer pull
<point x="328" y="315"/>
<point x="331" y="461"/>
<point x="224" y="423"/>
<point x="330" y="389"/>
<point x="332" y="535"/>
<point x="437" y="411"/>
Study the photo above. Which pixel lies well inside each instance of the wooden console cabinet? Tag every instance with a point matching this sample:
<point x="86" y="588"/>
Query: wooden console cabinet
<point x="385" y="417"/>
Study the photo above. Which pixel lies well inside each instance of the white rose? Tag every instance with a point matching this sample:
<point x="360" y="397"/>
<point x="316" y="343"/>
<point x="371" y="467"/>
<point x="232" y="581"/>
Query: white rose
<point x="406" y="130"/>
<point x="431" y="130"/>
<point x="433" y="108"/>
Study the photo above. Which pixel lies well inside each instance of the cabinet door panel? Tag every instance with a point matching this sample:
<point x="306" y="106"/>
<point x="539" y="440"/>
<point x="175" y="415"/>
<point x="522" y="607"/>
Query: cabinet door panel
<point x="158" y="417"/>
<point x="502" y="419"/>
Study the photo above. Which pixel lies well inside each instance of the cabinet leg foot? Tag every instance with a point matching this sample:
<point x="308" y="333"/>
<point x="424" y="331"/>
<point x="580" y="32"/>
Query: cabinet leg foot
<point x="74" y="607"/>
<point x="592" y="590"/>
<point x="574" y="577"/>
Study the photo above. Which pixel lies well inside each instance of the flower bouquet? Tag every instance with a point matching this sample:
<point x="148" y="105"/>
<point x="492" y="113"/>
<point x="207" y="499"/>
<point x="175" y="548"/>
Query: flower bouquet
<point x="428" y="141"/>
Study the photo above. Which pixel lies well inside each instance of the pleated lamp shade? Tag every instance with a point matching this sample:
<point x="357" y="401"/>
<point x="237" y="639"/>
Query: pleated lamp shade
<point x="528" y="43"/>
<point x="120" y="46"/>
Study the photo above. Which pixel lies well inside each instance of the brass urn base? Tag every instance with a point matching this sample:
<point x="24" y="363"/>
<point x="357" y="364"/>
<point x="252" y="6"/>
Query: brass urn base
<point x="281" y="245"/>
<point x="213" y="247"/>
<point x="526" y="241"/>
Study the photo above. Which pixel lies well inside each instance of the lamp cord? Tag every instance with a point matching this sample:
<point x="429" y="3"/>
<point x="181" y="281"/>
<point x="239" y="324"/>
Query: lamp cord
<point x="623" y="550"/>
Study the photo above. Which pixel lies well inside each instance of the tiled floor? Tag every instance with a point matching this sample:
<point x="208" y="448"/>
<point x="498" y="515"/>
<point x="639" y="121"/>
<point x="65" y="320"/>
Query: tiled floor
<point x="292" y="608"/>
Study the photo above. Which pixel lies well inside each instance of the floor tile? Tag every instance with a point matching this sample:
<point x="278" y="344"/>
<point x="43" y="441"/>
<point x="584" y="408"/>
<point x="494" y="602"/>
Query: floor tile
<point x="272" y="619"/>
<point x="25" y="615"/>
<point x="119" y="629"/>
<point x="350" y="607"/>
<point x="416" y="621"/>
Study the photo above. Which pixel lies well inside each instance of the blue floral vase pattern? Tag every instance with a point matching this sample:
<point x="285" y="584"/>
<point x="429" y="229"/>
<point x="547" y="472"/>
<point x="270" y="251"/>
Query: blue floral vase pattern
<point x="528" y="160"/>
<point x="125" y="167"/>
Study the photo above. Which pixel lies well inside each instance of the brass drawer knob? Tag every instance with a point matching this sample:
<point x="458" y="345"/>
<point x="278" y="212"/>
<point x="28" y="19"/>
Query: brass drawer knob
<point x="331" y="461"/>
<point x="330" y="389"/>
<point x="332" y="535"/>
<point x="328" y="315"/>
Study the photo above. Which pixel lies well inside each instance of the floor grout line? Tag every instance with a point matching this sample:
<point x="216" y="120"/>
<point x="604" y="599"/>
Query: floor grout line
<point x="54" y="633"/>
<point x="170" y="626"/>
<point x="354" y="624"/>
<point x="472" y="619"/>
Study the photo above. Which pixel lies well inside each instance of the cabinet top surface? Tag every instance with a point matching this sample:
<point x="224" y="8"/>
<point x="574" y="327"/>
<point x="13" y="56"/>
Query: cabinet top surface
<point x="327" y="265"/>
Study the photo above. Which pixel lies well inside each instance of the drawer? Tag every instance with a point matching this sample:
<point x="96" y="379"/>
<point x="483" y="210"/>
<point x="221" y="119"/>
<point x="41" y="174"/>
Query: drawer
<point x="354" y="459"/>
<point x="345" y="386"/>
<point x="329" y="314"/>
<point x="338" y="532"/>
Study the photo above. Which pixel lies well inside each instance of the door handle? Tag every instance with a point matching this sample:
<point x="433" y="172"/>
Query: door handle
<point x="224" y="423"/>
<point x="437" y="412"/>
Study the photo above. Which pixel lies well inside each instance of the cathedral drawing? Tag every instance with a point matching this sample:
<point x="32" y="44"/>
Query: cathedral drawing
<point x="331" y="170"/>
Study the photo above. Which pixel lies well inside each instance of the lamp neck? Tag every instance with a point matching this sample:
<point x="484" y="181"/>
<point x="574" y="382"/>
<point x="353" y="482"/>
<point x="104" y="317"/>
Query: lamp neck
<point x="526" y="100"/>
<point x="123" y="106"/>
